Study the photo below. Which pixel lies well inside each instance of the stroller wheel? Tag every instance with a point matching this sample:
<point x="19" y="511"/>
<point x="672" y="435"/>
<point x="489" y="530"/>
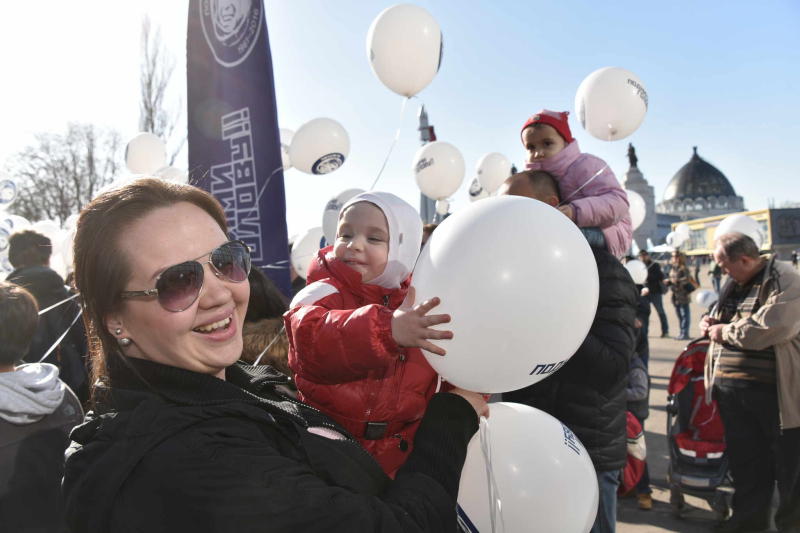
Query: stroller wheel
<point x="721" y="504"/>
<point x="676" y="501"/>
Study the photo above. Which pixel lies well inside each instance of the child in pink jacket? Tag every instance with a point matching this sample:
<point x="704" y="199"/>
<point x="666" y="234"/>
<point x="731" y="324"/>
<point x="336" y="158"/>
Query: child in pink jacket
<point x="591" y="196"/>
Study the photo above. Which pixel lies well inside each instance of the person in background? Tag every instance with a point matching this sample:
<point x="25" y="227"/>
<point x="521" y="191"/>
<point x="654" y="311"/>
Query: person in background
<point x="184" y="438"/>
<point x="37" y="412"/>
<point x="588" y="393"/>
<point x="681" y="284"/>
<point x="590" y="194"/>
<point x="715" y="273"/>
<point x="637" y="392"/>
<point x="753" y="371"/>
<point x="263" y="334"/>
<point x="29" y="254"/>
<point x="794" y="258"/>
<point x="655" y="291"/>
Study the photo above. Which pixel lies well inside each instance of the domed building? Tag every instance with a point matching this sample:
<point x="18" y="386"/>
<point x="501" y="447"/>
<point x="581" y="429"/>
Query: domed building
<point x="699" y="190"/>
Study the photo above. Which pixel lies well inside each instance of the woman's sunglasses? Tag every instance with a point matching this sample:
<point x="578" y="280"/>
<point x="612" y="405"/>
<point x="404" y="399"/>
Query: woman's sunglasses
<point x="178" y="286"/>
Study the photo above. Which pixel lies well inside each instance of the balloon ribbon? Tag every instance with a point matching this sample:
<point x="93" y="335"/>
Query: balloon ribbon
<point x="495" y="503"/>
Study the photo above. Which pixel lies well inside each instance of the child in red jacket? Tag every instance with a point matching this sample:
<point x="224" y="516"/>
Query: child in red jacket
<point x="354" y="333"/>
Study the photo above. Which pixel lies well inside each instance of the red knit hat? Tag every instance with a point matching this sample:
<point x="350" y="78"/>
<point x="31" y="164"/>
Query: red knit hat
<point x="557" y="120"/>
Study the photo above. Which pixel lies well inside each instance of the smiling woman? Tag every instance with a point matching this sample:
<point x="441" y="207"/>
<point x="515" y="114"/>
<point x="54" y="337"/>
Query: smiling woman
<point x="183" y="437"/>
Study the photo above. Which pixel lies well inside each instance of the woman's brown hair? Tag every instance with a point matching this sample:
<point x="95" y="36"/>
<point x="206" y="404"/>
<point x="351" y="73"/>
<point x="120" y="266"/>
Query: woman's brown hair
<point x="101" y="268"/>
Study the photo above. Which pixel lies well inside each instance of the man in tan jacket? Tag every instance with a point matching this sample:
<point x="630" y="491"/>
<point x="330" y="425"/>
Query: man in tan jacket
<point x="753" y="368"/>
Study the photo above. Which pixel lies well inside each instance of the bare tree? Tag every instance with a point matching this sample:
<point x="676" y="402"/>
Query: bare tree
<point x="155" y="72"/>
<point x="59" y="174"/>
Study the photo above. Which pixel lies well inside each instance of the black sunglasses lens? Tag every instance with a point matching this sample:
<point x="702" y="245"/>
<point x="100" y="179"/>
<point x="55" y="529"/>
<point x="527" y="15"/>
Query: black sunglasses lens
<point x="232" y="260"/>
<point x="179" y="285"/>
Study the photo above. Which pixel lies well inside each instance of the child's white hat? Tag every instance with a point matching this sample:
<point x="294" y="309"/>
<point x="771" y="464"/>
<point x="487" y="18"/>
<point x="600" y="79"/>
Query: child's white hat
<point x="405" y="235"/>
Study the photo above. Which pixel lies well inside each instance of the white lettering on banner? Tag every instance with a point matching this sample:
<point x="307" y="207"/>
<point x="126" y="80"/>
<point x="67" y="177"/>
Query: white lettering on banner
<point x="233" y="183"/>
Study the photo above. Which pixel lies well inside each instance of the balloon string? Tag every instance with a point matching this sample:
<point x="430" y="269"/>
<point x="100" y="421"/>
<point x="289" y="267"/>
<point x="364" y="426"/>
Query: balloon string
<point x="277" y="336"/>
<point x="46" y="309"/>
<point x="394" y="142"/>
<point x="495" y="503"/>
<point x="565" y="200"/>
<point x="58" y="341"/>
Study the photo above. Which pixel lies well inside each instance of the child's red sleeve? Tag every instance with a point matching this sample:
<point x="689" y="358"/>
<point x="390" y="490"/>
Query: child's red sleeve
<point x="329" y="345"/>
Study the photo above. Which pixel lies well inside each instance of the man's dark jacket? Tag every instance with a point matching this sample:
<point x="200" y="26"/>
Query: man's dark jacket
<point x="69" y="356"/>
<point x="588" y="393"/>
<point x="655" y="278"/>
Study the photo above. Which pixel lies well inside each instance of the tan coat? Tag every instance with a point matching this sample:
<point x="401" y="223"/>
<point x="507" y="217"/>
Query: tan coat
<point x="776" y="323"/>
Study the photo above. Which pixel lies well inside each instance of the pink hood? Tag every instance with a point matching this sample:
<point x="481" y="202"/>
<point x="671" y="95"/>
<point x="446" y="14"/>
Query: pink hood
<point x="598" y="201"/>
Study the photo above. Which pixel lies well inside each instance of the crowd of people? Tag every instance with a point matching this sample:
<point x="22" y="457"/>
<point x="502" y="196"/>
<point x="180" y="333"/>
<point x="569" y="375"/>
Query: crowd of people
<point x="218" y="404"/>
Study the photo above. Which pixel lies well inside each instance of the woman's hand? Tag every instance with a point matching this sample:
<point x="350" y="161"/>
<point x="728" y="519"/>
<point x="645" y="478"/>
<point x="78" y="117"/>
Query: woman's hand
<point x="411" y="324"/>
<point x="476" y="400"/>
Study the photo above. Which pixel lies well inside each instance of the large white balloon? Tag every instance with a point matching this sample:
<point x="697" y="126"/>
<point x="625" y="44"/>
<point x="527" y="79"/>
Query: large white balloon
<point x="320" y="146"/>
<point x="330" y="217"/>
<point x="637" y="270"/>
<point x="638" y="208"/>
<point x="493" y="169"/>
<point x="477" y="192"/>
<point x="286" y="142"/>
<point x="145" y="154"/>
<point x="404" y="48"/>
<point x="544" y="480"/>
<point x="305" y="249"/>
<point x="739" y="223"/>
<point x="439" y="169"/>
<point x="611" y="103"/>
<point x="705" y="298"/>
<point x="683" y="229"/>
<point x="489" y="262"/>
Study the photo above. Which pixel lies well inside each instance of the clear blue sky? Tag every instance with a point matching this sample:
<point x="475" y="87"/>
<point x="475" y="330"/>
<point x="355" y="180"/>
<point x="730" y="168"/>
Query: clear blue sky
<point x="723" y="76"/>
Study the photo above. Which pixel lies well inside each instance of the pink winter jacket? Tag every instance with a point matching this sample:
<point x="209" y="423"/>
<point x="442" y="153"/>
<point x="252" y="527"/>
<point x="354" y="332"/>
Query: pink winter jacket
<point x="601" y="203"/>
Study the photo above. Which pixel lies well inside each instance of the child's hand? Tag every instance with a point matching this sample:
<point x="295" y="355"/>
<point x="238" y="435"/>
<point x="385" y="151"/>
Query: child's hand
<point x="411" y="326"/>
<point x="567" y="210"/>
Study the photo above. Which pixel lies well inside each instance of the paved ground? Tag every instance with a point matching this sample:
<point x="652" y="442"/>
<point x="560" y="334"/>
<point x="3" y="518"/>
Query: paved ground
<point x="697" y="516"/>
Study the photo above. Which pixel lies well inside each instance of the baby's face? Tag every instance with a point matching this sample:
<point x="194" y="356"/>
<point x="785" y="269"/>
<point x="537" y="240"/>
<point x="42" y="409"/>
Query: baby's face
<point x="362" y="240"/>
<point x="542" y="141"/>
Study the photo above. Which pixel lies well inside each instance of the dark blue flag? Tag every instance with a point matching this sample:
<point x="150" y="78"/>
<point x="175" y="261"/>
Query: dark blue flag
<point x="234" y="144"/>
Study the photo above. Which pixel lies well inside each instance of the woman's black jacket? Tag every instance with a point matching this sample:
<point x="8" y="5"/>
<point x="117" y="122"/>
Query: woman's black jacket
<point x="190" y="452"/>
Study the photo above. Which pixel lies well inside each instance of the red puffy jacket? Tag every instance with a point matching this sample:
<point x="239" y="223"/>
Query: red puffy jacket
<point x="347" y="364"/>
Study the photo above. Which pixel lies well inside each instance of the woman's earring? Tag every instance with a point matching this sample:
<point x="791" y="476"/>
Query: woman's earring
<point x="117" y="331"/>
<point x="125" y="342"/>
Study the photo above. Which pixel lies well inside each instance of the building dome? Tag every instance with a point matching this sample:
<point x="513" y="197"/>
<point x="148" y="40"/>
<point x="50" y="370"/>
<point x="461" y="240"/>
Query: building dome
<point x="699" y="190"/>
<point x="698" y="178"/>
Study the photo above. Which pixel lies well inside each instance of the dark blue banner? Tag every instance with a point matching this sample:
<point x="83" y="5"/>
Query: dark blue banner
<point x="234" y="145"/>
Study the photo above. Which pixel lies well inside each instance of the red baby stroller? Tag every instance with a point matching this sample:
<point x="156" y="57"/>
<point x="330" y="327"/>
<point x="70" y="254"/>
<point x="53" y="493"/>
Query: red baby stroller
<point x="697" y="462"/>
